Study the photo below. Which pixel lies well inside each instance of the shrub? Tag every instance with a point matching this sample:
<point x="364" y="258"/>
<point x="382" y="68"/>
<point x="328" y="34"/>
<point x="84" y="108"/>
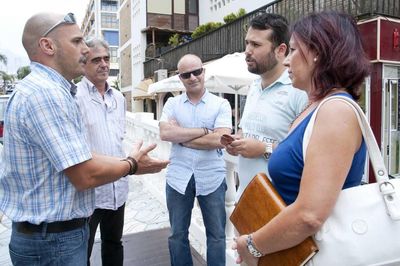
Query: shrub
<point x="174" y="40"/>
<point x="233" y="16"/>
<point x="204" y="28"/>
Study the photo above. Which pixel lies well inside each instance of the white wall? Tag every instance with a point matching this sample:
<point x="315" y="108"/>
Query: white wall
<point x="215" y="10"/>
<point x="138" y="40"/>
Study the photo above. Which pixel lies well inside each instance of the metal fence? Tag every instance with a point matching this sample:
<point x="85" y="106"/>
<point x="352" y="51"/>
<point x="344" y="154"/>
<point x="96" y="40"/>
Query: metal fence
<point x="230" y="37"/>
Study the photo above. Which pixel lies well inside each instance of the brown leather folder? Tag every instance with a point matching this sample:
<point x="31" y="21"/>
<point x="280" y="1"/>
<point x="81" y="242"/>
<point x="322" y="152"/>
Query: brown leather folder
<point x="259" y="203"/>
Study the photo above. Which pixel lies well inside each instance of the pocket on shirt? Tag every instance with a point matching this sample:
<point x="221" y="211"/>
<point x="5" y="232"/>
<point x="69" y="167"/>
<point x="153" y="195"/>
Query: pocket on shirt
<point x="119" y="128"/>
<point x="208" y="123"/>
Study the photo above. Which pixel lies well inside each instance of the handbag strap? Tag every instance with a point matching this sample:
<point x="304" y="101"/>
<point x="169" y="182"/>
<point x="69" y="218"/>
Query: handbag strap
<point x="387" y="189"/>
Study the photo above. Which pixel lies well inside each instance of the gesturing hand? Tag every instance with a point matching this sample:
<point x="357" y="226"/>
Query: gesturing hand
<point x="146" y="164"/>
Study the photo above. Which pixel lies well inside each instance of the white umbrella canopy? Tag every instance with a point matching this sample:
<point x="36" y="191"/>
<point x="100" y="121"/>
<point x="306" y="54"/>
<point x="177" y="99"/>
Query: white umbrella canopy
<point x="170" y="84"/>
<point x="229" y="74"/>
<point x="140" y="91"/>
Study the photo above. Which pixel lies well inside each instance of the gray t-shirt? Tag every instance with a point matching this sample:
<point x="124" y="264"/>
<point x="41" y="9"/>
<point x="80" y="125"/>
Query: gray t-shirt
<point x="267" y="116"/>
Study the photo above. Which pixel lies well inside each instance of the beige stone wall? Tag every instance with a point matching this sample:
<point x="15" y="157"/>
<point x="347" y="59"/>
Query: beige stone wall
<point x="128" y="99"/>
<point x="126" y="67"/>
<point x="125" y="23"/>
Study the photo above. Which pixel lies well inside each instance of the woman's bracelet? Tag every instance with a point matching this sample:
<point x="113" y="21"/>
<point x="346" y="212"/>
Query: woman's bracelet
<point x="252" y="248"/>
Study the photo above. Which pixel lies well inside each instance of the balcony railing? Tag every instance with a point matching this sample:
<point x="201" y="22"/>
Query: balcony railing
<point x="230" y="37"/>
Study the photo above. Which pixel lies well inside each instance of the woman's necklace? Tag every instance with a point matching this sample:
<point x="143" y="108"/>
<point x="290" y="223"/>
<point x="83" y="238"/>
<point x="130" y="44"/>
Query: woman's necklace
<point x="299" y="114"/>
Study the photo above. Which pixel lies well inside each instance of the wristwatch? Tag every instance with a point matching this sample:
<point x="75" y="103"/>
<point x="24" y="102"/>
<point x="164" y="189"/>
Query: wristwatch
<point x="252" y="249"/>
<point x="268" y="150"/>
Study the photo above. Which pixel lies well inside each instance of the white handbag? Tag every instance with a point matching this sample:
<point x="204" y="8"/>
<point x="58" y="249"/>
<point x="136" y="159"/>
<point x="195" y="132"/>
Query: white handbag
<point x="364" y="227"/>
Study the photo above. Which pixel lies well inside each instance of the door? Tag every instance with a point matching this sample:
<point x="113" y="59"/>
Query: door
<point x="365" y="104"/>
<point x="391" y="126"/>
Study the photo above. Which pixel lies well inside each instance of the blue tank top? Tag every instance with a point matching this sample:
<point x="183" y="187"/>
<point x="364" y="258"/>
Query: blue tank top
<point x="286" y="164"/>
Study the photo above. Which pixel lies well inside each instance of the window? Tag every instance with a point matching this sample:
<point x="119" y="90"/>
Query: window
<point x="107" y="5"/>
<point x="193" y="7"/>
<point x="112" y="37"/>
<point x="114" y="72"/>
<point x="114" y="54"/>
<point x="109" y="20"/>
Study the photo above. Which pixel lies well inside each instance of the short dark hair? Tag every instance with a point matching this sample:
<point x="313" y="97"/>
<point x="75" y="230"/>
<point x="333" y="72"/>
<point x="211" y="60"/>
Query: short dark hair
<point x="341" y="60"/>
<point x="277" y="23"/>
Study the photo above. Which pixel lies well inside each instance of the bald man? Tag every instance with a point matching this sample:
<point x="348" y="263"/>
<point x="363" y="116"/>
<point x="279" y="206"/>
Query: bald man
<point x="48" y="173"/>
<point x="194" y="122"/>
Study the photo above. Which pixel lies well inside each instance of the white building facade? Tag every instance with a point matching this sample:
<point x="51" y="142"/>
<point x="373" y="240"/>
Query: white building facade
<point x="101" y="21"/>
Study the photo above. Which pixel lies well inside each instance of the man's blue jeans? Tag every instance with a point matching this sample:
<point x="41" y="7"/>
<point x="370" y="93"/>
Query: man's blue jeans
<point x="214" y="216"/>
<point x="67" y="248"/>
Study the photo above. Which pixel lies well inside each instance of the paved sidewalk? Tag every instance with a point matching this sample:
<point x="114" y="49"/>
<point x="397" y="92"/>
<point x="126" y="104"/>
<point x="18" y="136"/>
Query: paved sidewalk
<point x="148" y="248"/>
<point x="143" y="213"/>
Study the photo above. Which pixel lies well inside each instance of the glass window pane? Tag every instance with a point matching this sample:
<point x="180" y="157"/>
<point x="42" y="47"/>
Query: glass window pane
<point x="111" y="37"/>
<point x="193" y="7"/>
<point x="109" y="5"/>
<point x="109" y="20"/>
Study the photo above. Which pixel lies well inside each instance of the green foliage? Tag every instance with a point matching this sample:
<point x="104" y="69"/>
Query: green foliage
<point x="116" y="84"/>
<point x="174" y="40"/>
<point x="3" y="59"/>
<point x="77" y="80"/>
<point x="233" y="16"/>
<point x="241" y="12"/>
<point x="205" y="28"/>
<point x="229" y="18"/>
<point x="22" y="72"/>
<point x="7" y="78"/>
<point x="210" y="26"/>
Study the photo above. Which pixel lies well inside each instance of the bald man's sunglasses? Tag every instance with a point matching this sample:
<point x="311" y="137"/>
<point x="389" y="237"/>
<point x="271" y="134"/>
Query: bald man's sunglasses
<point x="68" y="19"/>
<point x="187" y="75"/>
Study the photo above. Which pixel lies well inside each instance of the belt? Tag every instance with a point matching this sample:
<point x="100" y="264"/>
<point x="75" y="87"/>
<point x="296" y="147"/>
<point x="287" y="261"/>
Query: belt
<point x="54" y="227"/>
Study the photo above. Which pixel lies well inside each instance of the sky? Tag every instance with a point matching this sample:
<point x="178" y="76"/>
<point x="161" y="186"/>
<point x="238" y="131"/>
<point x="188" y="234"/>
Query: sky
<point x="14" y="14"/>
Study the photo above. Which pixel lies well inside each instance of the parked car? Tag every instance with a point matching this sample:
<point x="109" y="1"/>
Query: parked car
<point x="3" y="103"/>
<point x="10" y="88"/>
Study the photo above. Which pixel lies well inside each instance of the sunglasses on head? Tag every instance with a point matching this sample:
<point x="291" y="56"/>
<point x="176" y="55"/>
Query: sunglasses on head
<point x="68" y="19"/>
<point x="187" y="75"/>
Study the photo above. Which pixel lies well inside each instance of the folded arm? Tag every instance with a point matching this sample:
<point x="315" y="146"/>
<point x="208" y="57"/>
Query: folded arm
<point x="171" y="131"/>
<point x="209" y="141"/>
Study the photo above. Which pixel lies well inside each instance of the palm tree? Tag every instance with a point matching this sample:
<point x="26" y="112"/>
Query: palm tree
<point x="116" y="84"/>
<point x="3" y="59"/>
<point x="3" y="75"/>
<point x="6" y="79"/>
<point x="22" y="72"/>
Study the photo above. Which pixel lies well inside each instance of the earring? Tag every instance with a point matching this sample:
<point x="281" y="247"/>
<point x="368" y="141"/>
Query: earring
<point x="315" y="59"/>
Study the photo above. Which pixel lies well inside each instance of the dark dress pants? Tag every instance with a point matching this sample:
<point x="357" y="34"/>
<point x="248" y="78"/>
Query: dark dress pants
<point x="111" y="229"/>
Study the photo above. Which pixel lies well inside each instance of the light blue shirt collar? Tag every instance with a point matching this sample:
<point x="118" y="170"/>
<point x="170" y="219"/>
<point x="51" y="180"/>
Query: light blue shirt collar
<point x="282" y="80"/>
<point x="55" y="76"/>
<point x="203" y="98"/>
